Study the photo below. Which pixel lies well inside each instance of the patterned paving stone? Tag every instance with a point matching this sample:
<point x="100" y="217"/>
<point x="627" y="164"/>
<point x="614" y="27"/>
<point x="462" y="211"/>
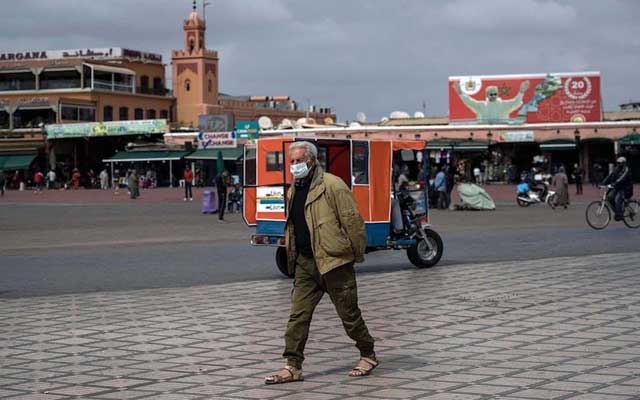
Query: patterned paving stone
<point x="563" y="328"/>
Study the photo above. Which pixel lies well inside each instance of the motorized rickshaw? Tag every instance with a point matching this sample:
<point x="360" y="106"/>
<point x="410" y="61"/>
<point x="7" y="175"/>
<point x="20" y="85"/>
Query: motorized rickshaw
<point x="367" y="167"/>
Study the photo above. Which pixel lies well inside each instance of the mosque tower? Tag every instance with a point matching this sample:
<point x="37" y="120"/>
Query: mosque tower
<point x="195" y="74"/>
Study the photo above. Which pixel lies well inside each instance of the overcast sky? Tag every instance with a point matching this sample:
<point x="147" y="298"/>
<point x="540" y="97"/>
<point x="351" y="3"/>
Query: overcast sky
<point x="373" y="56"/>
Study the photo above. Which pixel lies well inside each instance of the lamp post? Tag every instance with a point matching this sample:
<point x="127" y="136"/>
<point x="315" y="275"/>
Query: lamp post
<point x="576" y="135"/>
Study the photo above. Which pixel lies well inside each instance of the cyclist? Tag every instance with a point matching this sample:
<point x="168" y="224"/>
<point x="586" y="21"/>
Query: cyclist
<point x="620" y="180"/>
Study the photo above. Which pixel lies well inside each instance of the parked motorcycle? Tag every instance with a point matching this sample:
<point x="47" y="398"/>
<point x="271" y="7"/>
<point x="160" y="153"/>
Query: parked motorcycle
<point x="526" y="195"/>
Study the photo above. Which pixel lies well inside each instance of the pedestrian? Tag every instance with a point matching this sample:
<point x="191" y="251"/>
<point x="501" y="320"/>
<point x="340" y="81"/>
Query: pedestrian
<point x="75" y="178"/>
<point x="561" y="184"/>
<point x="188" y="184"/>
<point x="483" y="172"/>
<point x="104" y="179"/>
<point x="134" y="185"/>
<point x="38" y="180"/>
<point x="440" y="185"/>
<point x="223" y="180"/>
<point x="51" y="179"/>
<point x="91" y="176"/>
<point x="115" y="180"/>
<point x="477" y="175"/>
<point x="235" y="199"/>
<point x="3" y="182"/>
<point x="322" y="259"/>
<point x="578" y="175"/>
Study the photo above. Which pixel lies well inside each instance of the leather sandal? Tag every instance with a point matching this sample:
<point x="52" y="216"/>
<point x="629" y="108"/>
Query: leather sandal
<point x="364" y="367"/>
<point x="285" y="375"/>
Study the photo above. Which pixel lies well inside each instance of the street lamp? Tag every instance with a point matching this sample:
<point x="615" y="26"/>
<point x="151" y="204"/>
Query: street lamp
<point x="576" y="135"/>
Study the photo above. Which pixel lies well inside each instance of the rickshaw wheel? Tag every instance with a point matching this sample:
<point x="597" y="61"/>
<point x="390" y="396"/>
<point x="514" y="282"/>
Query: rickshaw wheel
<point x="281" y="261"/>
<point x="427" y="251"/>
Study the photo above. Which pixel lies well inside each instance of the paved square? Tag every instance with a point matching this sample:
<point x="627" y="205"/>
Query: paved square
<point x="562" y="328"/>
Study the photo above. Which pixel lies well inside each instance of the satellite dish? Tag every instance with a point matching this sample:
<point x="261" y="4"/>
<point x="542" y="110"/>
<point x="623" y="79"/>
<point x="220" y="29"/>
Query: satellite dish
<point x="418" y="114"/>
<point x="361" y="117"/>
<point x="384" y="119"/>
<point x="285" y="124"/>
<point x="265" y="123"/>
<point x="329" y="121"/>
<point x="399" y="115"/>
<point x="299" y="123"/>
<point x="354" y="124"/>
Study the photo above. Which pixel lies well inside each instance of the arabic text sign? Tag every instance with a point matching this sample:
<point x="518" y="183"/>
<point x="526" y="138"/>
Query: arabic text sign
<point x="270" y="199"/>
<point x="113" y="128"/>
<point x="95" y="53"/>
<point x="216" y="140"/>
<point x="517" y="137"/>
<point x="534" y="98"/>
<point x="247" y="129"/>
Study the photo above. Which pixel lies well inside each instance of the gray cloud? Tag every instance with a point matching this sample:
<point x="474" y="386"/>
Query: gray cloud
<point x="360" y="55"/>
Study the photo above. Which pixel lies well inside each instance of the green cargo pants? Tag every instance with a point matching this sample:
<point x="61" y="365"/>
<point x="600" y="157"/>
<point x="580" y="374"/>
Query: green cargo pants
<point x="308" y="288"/>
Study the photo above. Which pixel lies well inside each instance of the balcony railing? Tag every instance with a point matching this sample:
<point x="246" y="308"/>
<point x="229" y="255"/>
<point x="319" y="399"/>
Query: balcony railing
<point x="111" y="86"/>
<point x="153" y="91"/>
<point x="21" y="85"/>
<point x="61" y="84"/>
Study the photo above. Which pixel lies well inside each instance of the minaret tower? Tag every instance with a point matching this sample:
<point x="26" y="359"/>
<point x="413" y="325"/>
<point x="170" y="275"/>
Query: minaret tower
<point x="195" y="73"/>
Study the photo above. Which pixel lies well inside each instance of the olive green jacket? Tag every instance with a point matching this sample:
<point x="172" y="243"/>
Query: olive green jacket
<point x="336" y="228"/>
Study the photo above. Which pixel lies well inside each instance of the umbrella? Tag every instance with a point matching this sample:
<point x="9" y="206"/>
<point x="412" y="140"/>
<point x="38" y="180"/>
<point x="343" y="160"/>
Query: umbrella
<point x="219" y="162"/>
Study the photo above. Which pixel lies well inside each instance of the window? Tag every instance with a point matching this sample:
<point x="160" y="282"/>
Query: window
<point x="79" y="112"/>
<point x="210" y="85"/>
<point x="144" y="84"/>
<point x="164" y="114"/>
<point x="274" y="161"/>
<point x="4" y="120"/>
<point x="124" y="114"/>
<point x="151" y="114"/>
<point x="360" y="163"/>
<point x="158" y="87"/>
<point x="107" y="113"/>
<point x="187" y="85"/>
<point x="138" y="113"/>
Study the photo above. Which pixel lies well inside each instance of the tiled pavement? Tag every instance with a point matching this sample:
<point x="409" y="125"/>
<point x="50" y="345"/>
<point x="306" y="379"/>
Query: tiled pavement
<point x="546" y="329"/>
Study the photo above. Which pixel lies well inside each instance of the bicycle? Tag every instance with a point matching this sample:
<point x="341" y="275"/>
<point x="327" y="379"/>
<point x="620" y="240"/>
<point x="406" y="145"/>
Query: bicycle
<point x="598" y="213"/>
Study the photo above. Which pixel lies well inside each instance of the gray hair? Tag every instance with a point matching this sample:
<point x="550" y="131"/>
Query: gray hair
<point x="310" y="149"/>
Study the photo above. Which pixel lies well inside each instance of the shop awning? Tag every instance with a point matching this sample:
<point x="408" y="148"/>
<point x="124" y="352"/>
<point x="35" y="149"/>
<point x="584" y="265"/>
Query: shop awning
<point x="558" y="145"/>
<point x="440" y="144"/>
<point x="212" y="154"/>
<point x="470" y="146"/>
<point x="632" y="138"/>
<point x="133" y="156"/>
<point x="9" y="163"/>
<point x="458" y="145"/>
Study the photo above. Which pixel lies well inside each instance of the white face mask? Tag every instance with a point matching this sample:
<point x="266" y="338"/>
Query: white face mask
<point x="299" y="171"/>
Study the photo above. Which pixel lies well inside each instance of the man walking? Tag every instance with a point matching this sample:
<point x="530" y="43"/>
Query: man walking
<point x="578" y="175"/>
<point x="104" y="179"/>
<point x="134" y="185"/>
<point x="440" y="185"/>
<point x="222" y="186"/>
<point x="3" y="182"/>
<point x="38" y="180"/>
<point x="322" y="259"/>
<point x="188" y="184"/>
<point x="51" y="179"/>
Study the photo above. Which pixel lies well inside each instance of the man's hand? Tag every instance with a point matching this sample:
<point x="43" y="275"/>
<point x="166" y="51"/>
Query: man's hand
<point x="524" y="86"/>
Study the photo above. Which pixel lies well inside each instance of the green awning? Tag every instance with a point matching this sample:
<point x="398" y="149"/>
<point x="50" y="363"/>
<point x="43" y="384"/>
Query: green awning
<point x="133" y="156"/>
<point x="10" y="163"/>
<point x="439" y="144"/>
<point x="632" y="138"/>
<point x="212" y="154"/>
<point x="558" y="145"/>
<point x="469" y="146"/>
<point x="463" y="146"/>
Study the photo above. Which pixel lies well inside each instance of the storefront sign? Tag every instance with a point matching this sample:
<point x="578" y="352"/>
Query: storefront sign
<point x="216" y="140"/>
<point x="95" y="53"/>
<point x="517" y="136"/>
<point x="33" y="101"/>
<point x="114" y="128"/>
<point x="247" y="130"/>
<point x="270" y="199"/>
<point x="517" y="99"/>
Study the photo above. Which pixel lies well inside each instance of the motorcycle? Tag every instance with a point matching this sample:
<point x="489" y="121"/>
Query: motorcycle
<point x="526" y="195"/>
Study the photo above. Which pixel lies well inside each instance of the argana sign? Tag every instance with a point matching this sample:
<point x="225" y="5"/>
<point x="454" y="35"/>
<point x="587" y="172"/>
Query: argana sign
<point x="94" y="53"/>
<point x="518" y="99"/>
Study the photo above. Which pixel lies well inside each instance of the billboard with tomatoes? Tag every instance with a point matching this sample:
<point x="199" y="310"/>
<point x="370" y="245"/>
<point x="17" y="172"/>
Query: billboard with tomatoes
<point x="518" y="99"/>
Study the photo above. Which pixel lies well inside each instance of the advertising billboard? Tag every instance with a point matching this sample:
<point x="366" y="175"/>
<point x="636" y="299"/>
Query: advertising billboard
<point x="518" y="99"/>
<point x="112" y="128"/>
